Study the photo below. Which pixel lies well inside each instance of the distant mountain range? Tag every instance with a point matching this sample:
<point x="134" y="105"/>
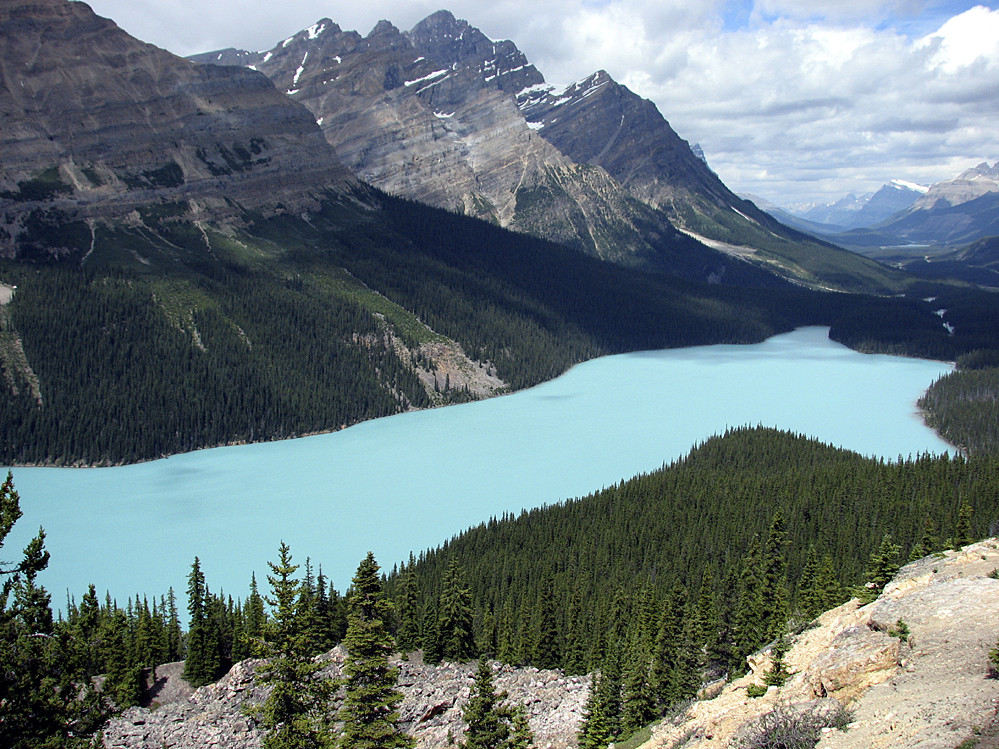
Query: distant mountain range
<point x="851" y="212"/>
<point x="444" y="115"/>
<point x="930" y="231"/>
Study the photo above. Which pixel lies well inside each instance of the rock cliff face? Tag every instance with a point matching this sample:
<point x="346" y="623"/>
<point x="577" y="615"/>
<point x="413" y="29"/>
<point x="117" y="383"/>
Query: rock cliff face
<point x="94" y="123"/>
<point x="929" y="689"/>
<point x="433" y="698"/>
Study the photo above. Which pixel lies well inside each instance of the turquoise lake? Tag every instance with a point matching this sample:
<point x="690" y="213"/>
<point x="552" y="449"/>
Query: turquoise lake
<point x="409" y="482"/>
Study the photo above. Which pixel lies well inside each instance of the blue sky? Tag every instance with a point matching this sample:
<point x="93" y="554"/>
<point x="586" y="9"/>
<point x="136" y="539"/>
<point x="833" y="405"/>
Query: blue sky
<point x="791" y="100"/>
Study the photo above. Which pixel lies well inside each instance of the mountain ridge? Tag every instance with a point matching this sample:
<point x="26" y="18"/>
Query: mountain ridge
<point x="444" y="115"/>
<point x="83" y="123"/>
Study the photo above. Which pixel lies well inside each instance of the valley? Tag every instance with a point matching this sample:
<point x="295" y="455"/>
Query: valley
<point x="395" y="296"/>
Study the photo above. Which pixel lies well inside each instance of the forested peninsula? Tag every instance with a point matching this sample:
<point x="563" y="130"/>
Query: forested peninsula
<point x="658" y="583"/>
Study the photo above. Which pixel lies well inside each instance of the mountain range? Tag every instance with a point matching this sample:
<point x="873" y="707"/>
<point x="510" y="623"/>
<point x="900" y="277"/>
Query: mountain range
<point x="444" y="115"/>
<point x="195" y="255"/>
<point x="928" y="231"/>
<point x="850" y="211"/>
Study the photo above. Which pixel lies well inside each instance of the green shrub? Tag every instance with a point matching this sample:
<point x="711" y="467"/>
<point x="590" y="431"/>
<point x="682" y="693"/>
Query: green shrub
<point x="785" y="727"/>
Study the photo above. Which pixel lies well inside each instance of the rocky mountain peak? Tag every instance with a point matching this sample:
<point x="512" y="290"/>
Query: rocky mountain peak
<point x="455" y="43"/>
<point x="967" y="186"/>
<point x="384" y="28"/>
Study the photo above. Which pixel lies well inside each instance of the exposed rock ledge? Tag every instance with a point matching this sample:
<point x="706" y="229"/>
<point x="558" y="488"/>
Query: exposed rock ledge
<point x="931" y="692"/>
<point x="433" y="697"/>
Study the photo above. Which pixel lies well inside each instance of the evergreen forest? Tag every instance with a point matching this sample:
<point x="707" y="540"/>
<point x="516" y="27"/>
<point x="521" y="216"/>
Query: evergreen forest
<point x="963" y="406"/>
<point x="655" y="584"/>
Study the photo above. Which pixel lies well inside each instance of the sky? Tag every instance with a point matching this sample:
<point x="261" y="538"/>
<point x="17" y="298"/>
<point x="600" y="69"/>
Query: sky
<point x="794" y="101"/>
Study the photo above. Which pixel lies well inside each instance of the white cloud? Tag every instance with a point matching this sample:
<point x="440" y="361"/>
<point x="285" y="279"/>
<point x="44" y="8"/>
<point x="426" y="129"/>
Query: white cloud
<point x="790" y="99"/>
<point x="965" y="40"/>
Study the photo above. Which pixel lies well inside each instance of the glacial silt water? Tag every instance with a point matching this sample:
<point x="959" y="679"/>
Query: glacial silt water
<point x="409" y="482"/>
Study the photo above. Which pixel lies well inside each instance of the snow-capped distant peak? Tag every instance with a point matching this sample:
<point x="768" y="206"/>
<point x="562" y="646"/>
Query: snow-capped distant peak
<point x="906" y="185"/>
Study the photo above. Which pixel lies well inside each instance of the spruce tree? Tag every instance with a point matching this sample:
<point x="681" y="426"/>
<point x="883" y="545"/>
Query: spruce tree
<point x="175" y="639"/>
<point x="201" y="664"/>
<point x="881" y="568"/>
<point x="45" y="695"/>
<point x="602" y="714"/>
<point x="929" y="541"/>
<point x="962" y="531"/>
<point x="123" y="677"/>
<point x="775" y="611"/>
<point x="521" y="736"/>
<point x="487" y="721"/>
<point x="369" y="705"/>
<point x="297" y="711"/>
<point x="456" y="615"/>
<point x="808" y="586"/>
<point x="749" y="618"/>
<point x="408" y="635"/>
<point x="548" y="635"/>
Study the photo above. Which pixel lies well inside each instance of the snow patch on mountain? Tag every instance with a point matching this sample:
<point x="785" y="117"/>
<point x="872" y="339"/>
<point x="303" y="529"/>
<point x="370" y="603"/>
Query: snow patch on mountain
<point x="428" y="77"/>
<point x="902" y="184"/>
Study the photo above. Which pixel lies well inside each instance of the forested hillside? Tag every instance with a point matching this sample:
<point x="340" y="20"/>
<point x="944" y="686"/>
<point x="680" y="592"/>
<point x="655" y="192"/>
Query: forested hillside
<point x="753" y="527"/>
<point x="659" y="582"/>
<point x="964" y="405"/>
<point x="170" y="337"/>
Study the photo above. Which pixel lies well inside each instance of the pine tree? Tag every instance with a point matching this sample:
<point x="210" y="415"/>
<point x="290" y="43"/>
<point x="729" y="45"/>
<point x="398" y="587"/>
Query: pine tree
<point x="775" y="598"/>
<point x="929" y="541"/>
<point x="123" y="679"/>
<point x="433" y="650"/>
<point x="665" y="657"/>
<point x="548" y="635"/>
<point x="706" y="617"/>
<point x="602" y="714"/>
<point x="962" y="531"/>
<point x="777" y="674"/>
<point x="297" y="710"/>
<point x="808" y="586"/>
<point x="369" y="705"/>
<point x="749" y="618"/>
<point x="487" y="721"/>
<point x="175" y="640"/>
<point x="881" y="568"/>
<point x="408" y="636"/>
<point x="521" y="736"/>
<point x="456" y="615"/>
<point x="202" y="664"/>
<point x="45" y="698"/>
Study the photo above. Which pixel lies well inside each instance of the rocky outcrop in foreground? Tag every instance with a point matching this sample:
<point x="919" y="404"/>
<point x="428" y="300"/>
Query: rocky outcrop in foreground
<point x="930" y="689"/>
<point x="433" y="698"/>
<point x="854" y="668"/>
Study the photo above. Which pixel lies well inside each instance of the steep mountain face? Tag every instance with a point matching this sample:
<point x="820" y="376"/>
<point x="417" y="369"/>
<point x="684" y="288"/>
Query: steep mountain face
<point x="598" y="121"/>
<point x="446" y="116"/>
<point x="968" y="186"/>
<point x="94" y="123"/>
<point x="431" y="115"/>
